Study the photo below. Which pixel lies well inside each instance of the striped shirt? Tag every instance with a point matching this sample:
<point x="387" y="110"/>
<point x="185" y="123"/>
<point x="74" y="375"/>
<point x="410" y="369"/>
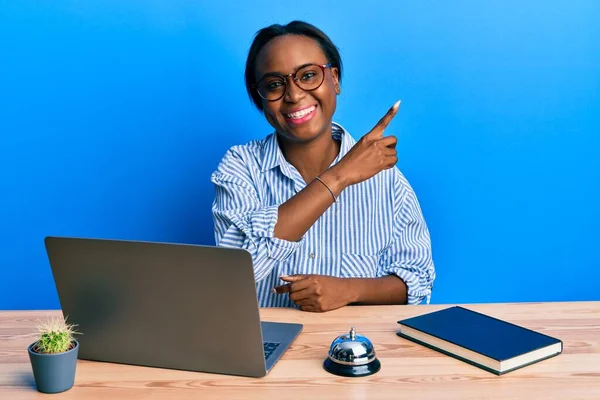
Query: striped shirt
<point x="375" y="229"/>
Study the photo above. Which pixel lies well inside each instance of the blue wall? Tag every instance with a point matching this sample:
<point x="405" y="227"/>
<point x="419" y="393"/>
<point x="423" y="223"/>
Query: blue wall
<point x="113" y="115"/>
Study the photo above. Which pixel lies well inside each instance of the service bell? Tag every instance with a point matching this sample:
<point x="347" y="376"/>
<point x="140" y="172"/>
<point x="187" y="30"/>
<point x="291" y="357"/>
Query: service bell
<point x="352" y="355"/>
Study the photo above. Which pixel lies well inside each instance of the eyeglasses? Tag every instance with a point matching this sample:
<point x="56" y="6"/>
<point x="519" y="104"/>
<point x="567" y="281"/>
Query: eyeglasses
<point x="272" y="87"/>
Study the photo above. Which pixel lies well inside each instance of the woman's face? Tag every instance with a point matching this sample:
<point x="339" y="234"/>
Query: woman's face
<point x="284" y="55"/>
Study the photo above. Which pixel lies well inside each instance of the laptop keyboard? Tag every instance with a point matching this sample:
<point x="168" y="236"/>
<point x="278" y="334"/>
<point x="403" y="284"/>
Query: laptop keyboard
<point x="269" y="348"/>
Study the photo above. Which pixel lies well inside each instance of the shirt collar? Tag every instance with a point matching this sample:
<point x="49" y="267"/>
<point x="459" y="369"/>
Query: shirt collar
<point x="273" y="156"/>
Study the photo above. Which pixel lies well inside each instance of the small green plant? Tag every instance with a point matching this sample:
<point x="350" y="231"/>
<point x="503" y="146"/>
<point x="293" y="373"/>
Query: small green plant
<point x="55" y="336"/>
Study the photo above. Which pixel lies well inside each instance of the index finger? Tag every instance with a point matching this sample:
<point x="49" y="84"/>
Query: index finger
<point x="387" y="118"/>
<point x="282" y="289"/>
<point x="287" y="287"/>
<point x="292" y="287"/>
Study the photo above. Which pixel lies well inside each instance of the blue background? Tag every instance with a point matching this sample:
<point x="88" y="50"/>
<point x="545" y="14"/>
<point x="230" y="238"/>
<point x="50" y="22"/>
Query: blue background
<point x="114" y="113"/>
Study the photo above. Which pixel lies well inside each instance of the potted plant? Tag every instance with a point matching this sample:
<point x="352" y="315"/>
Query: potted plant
<point x="54" y="356"/>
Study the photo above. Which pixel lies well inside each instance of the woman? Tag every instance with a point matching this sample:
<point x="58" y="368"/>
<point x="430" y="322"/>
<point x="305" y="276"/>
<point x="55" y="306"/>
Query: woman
<point x="328" y="221"/>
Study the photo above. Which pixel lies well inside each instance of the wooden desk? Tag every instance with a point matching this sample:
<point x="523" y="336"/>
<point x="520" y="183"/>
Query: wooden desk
<point x="409" y="371"/>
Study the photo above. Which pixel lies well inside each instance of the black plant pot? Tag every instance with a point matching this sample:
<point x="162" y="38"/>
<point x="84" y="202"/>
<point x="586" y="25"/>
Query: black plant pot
<point x="54" y="373"/>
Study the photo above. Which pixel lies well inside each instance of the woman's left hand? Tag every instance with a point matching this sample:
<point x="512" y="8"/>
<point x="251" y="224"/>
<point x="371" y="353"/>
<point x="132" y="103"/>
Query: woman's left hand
<point x="316" y="293"/>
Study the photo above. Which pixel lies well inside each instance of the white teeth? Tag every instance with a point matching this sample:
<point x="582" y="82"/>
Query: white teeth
<point x="301" y="114"/>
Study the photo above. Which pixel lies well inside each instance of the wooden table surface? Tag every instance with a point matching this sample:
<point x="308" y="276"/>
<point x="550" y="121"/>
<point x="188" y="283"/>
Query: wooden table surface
<point x="409" y="371"/>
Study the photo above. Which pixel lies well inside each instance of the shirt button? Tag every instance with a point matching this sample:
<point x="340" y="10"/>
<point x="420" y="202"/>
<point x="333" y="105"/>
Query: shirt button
<point x="312" y="255"/>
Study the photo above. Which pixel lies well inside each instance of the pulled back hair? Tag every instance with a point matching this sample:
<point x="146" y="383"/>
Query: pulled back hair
<point x="264" y="35"/>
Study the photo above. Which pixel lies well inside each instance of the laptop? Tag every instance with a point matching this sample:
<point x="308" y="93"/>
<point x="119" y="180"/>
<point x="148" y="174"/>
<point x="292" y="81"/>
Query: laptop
<point x="164" y="305"/>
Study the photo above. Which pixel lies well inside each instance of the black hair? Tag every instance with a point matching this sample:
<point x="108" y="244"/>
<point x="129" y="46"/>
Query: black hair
<point x="301" y="28"/>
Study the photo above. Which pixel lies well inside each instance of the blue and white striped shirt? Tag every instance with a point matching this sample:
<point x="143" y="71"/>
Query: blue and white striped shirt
<point x="375" y="229"/>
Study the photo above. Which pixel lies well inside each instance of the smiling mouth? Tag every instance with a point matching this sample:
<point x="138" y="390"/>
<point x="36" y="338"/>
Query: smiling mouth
<point x="301" y="113"/>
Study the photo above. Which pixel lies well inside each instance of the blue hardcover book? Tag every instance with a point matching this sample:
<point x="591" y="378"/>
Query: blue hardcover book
<point x="489" y="343"/>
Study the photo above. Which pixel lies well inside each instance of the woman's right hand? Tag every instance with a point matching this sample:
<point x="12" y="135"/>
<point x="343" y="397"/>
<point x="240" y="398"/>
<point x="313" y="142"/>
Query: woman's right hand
<point x="371" y="154"/>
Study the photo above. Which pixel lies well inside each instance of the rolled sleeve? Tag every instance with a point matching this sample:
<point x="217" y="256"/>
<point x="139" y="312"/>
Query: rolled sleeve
<point x="409" y="256"/>
<point x="260" y="225"/>
<point x="262" y="221"/>
<point x="418" y="286"/>
<point x="242" y="221"/>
